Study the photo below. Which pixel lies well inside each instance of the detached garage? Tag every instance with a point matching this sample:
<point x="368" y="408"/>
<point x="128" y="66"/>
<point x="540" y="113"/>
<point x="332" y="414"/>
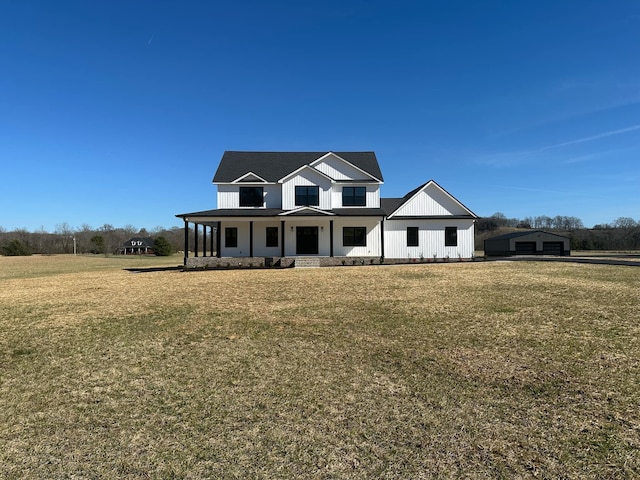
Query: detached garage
<point x="531" y="242"/>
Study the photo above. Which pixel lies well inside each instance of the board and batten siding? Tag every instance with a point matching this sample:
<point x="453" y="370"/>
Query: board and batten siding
<point x="431" y="202"/>
<point x="229" y="195"/>
<point x="337" y="169"/>
<point x="306" y="178"/>
<point x="430" y="238"/>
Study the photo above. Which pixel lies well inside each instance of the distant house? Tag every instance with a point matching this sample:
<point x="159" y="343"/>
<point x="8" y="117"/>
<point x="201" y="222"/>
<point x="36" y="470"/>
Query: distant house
<point x="137" y="246"/>
<point x="326" y="204"/>
<point x="530" y="242"/>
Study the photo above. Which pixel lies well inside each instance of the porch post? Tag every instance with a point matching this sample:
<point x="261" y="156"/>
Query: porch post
<point x="195" y="248"/>
<point x="251" y="238"/>
<point x="186" y="241"/>
<point x="282" y="234"/>
<point x="211" y="240"/>
<point x="382" y="237"/>
<point x="219" y="240"/>
<point x="204" y="240"/>
<point x="331" y="238"/>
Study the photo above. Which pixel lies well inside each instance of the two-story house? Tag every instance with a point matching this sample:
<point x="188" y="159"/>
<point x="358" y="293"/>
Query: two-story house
<point x="326" y="204"/>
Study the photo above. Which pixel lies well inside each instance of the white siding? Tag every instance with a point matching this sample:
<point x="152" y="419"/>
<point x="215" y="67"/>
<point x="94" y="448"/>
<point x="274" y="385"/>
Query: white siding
<point x="242" y="250"/>
<point x="431" y="201"/>
<point x="260" y="248"/>
<point x="309" y="178"/>
<point x="229" y="195"/>
<point x="373" y="247"/>
<point x="430" y="238"/>
<point x="337" y="169"/>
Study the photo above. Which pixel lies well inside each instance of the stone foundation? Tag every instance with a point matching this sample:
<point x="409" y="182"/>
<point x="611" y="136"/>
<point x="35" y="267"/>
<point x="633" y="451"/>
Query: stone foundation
<point x="198" y="263"/>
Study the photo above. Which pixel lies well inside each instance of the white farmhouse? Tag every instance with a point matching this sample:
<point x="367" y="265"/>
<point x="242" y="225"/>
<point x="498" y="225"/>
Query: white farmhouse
<point x="279" y="205"/>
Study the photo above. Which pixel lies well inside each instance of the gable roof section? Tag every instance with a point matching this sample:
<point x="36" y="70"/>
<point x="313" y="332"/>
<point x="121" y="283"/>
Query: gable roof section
<point x="306" y="210"/>
<point x="437" y="207"/>
<point x="250" y="177"/>
<point x="305" y="168"/>
<point x="337" y="170"/>
<point x="272" y="166"/>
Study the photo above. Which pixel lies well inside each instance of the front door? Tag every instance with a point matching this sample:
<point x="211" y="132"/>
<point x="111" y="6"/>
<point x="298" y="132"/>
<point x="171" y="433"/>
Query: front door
<point x="306" y="240"/>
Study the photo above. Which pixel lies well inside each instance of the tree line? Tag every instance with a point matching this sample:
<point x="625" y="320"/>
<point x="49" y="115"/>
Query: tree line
<point x="106" y="239"/>
<point x="622" y="234"/>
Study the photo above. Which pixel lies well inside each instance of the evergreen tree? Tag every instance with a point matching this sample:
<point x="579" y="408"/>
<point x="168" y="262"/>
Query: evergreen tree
<point x="162" y="247"/>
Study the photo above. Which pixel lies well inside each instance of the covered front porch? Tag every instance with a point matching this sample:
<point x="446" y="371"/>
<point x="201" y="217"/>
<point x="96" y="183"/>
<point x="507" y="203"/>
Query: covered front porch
<point x="282" y="236"/>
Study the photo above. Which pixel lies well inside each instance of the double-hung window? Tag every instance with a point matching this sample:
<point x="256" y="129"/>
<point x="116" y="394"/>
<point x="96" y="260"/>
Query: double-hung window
<point x="307" y="195"/>
<point x="450" y="236"/>
<point x="251" y="196"/>
<point x="354" y="196"/>
<point x="354" y="236"/>
<point x="231" y="237"/>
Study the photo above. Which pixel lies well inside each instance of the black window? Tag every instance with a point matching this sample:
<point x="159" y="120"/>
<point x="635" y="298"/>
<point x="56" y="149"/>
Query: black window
<point x="231" y="237"/>
<point x="354" y="196"/>
<point x="251" y="196"/>
<point x="451" y="236"/>
<point x="412" y="236"/>
<point x="307" y="195"/>
<point x="272" y="236"/>
<point x="354" y="236"/>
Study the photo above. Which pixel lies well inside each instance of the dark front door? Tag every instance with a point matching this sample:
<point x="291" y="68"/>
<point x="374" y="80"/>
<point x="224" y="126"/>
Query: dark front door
<point x="306" y="240"/>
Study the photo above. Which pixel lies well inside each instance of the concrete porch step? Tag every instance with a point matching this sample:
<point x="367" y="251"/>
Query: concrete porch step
<point x="307" y="262"/>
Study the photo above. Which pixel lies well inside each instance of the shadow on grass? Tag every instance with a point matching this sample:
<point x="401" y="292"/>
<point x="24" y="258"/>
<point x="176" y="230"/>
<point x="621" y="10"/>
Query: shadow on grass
<point x="177" y="268"/>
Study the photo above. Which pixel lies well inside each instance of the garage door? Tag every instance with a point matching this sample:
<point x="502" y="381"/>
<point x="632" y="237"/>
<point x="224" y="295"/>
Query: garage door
<point x="525" y="248"/>
<point x="552" y="248"/>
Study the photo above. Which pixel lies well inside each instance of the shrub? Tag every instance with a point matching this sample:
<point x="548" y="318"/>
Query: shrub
<point x="16" y="248"/>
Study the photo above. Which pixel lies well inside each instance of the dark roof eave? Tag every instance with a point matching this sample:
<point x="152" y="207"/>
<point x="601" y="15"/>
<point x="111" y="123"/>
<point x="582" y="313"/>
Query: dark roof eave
<point x="434" y="217"/>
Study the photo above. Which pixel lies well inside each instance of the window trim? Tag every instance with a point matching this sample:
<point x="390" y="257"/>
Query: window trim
<point x="450" y="236"/>
<point x="413" y="236"/>
<point x="314" y="188"/>
<point x="353" y="236"/>
<point x="254" y="201"/>
<point x="349" y="200"/>
<point x="230" y="237"/>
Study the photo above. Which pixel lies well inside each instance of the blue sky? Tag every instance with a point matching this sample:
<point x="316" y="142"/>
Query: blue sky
<point x="117" y="112"/>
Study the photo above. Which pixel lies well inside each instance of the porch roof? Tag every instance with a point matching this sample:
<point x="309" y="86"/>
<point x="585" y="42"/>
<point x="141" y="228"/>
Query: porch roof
<point x="277" y="212"/>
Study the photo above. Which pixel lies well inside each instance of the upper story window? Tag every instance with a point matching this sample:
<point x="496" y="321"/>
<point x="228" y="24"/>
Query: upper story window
<point x="307" y="195"/>
<point x="251" y="196"/>
<point x="354" y="196"/>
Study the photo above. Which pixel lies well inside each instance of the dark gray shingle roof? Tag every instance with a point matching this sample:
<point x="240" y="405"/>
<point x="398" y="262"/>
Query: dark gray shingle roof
<point x="272" y="166"/>
<point x="138" y="242"/>
<point x="517" y="234"/>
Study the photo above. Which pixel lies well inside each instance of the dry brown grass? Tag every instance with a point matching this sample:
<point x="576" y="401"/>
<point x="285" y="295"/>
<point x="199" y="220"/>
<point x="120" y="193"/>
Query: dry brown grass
<point x="443" y="370"/>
